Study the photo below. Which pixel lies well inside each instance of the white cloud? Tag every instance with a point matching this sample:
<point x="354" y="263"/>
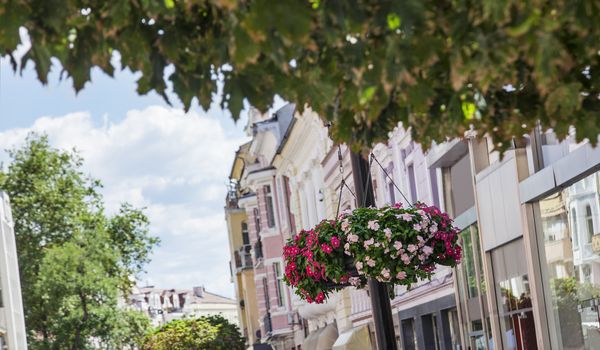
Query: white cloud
<point x="172" y="163"/>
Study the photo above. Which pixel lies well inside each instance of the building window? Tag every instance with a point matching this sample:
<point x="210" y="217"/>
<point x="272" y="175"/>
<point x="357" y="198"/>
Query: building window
<point x="266" y="291"/>
<point x="258" y="252"/>
<point x="589" y="220"/>
<point x="279" y="283"/>
<point x="513" y="294"/>
<point x="575" y="238"/>
<point x="391" y="193"/>
<point x="412" y="182"/>
<point x="245" y="236"/>
<point x="409" y="340"/>
<point x="257" y="219"/>
<point x="468" y="263"/>
<point x="435" y="195"/>
<point x="269" y="204"/>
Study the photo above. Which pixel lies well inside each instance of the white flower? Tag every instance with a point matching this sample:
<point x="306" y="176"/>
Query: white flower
<point x="388" y="233"/>
<point x="368" y="242"/>
<point x="401" y="275"/>
<point x="417" y="227"/>
<point x="386" y="250"/>
<point x="373" y="225"/>
<point x="355" y="281"/>
<point x="427" y="250"/>
<point x="405" y="217"/>
<point x="352" y="238"/>
<point x="345" y="226"/>
<point x="405" y="258"/>
<point x="370" y="261"/>
<point x="398" y="245"/>
<point x="433" y="228"/>
<point x="359" y="265"/>
<point x="385" y="273"/>
<point x="380" y="214"/>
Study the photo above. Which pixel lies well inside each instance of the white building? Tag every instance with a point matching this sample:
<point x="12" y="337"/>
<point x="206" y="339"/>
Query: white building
<point x="12" y="321"/>
<point x="164" y="305"/>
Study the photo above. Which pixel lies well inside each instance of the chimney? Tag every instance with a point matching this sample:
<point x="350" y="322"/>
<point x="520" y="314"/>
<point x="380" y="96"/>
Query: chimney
<point x="199" y="291"/>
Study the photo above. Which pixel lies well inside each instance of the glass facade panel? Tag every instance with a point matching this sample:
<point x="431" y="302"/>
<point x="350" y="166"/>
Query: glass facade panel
<point x="409" y="339"/>
<point x="514" y="297"/>
<point x="572" y="263"/>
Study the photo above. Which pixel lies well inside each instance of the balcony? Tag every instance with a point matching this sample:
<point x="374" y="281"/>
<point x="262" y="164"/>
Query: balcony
<point x="558" y="250"/>
<point x="243" y="258"/>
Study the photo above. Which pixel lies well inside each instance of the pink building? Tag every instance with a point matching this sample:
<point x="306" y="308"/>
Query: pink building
<point x="264" y="193"/>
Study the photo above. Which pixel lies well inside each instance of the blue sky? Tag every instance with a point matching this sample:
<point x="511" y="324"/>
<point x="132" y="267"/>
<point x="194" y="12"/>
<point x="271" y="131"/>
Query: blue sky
<point x="145" y="152"/>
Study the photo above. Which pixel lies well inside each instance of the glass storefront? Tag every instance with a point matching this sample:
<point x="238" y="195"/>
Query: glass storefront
<point x="513" y="296"/>
<point x="471" y="290"/>
<point x="571" y="256"/>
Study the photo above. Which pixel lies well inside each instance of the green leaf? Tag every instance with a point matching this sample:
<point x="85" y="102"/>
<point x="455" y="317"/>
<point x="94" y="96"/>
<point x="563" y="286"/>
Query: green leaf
<point x="367" y="95"/>
<point x="169" y="4"/>
<point x="393" y="21"/>
<point x="468" y="109"/>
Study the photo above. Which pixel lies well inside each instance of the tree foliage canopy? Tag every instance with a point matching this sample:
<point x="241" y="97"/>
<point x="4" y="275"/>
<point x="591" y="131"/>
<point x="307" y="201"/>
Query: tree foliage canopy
<point x="75" y="261"/>
<point x="437" y="66"/>
<point x="207" y="332"/>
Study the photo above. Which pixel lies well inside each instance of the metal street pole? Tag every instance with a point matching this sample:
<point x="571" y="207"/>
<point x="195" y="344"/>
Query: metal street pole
<point x="380" y="300"/>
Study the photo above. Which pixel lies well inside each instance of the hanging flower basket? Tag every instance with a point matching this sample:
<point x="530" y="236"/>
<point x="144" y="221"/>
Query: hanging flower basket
<point x="394" y="245"/>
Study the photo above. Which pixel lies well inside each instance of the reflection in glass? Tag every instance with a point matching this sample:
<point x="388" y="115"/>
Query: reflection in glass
<point x="572" y="262"/>
<point x="517" y="314"/>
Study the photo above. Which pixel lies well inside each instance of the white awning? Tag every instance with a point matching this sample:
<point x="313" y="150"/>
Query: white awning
<point x="354" y="339"/>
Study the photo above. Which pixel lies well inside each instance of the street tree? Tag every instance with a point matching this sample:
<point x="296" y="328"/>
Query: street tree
<point x="207" y="332"/>
<point x="75" y="260"/>
<point x="440" y="67"/>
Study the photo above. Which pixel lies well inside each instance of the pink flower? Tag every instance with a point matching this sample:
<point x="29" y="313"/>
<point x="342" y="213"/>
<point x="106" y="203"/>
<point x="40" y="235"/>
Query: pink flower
<point x="398" y="245"/>
<point x="327" y="249"/>
<point x="405" y="217"/>
<point x="359" y="265"/>
<point x="433" y="228"/>
<point x="352" y="238"/>
<point x="370" y="261"/>
<point x="320" y="297"/>
<point x="345" y="226"/>
<point x="412" y="248"/>
<point x="421" y="257"/>
<point x="373" y="225"/>
<point x="427" y="250"/>
<point x="417" y="227"/>
<point x="368" y="242"/>
<point x="335" y="242"/>
<point x="405" y="258"/>
<point x="385" y="273"/>
<point x="388" y="233"/>
<point x="355" y="281"/>
<point x="401" y="275"/>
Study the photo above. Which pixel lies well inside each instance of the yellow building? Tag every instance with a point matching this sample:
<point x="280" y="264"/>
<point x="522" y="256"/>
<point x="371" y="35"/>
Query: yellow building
<point x="241" y="258"/>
